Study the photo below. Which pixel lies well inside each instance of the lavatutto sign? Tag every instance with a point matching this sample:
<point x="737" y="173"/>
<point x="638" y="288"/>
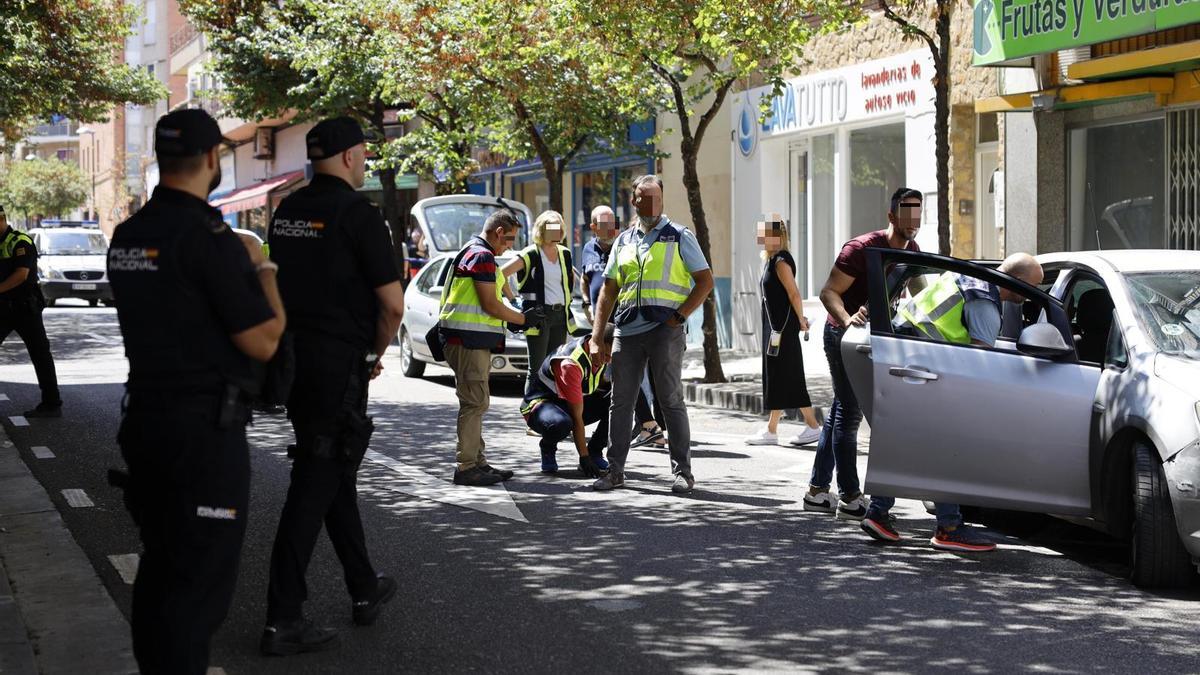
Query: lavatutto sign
<point x="897" y="85"/>
<point x="1011" y="29"/>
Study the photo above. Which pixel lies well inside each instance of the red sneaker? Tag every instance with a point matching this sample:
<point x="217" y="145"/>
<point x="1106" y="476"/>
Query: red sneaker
<point x="882" y="528"/>
<point x="962" y="539"/>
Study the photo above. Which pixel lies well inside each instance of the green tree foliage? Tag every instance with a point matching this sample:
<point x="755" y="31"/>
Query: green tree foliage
<point x="540" y="98"/>
<point x="63" y="57"/>
<point x="684" y="57"/>
<point x="43" y="187"/>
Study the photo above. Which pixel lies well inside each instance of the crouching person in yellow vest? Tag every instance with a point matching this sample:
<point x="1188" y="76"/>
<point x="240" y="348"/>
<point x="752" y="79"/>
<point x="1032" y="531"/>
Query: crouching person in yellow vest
<point x="569" y="393"/>
<point x="963" y="310"/>
<point x="656" y="276"/>
<point x="471" y="326"/>
<point x="546" y="277"/>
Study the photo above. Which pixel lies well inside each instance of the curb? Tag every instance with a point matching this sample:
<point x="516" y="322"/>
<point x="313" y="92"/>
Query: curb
<point x="58" y="616"/>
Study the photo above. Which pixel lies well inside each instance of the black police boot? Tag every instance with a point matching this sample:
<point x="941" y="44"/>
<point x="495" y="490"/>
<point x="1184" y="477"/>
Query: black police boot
<point x="284" y="638"/>
<point x="475" y="477"/>
<point x="366" y="611"/>
<point x="44" y="410"/>
<point x="504" y="474"/>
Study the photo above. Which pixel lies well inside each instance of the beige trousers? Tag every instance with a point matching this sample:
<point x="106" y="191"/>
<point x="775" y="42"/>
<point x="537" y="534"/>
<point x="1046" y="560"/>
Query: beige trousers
<point x="471" y="367"/>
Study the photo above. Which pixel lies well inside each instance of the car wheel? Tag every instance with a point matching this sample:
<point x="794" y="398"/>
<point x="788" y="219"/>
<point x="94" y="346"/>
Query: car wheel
<point x="50" y="302"/>
<point x="93" y="303"/>
<point x="408" y="361"/>
<point x="1157" y="557"/>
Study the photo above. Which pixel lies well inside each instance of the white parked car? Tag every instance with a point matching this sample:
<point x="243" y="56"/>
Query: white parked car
<point x="71" y="264"/>
<point x="1088" y="407"/>
<point x="421" y="309"/>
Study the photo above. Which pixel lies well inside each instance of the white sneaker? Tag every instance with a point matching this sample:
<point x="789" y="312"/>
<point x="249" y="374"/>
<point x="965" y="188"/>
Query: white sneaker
<point x="763" y="437"/>
<point x="855" y="509"/>
<point x="822" y="502"/>
<point x="809" y="436"/>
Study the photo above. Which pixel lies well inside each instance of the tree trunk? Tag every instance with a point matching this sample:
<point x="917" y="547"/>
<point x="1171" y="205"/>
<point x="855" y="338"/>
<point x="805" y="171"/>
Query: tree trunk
<point x="691" y="182"/>
<point x="941" y="124"/>
<point x="391" y="202"/>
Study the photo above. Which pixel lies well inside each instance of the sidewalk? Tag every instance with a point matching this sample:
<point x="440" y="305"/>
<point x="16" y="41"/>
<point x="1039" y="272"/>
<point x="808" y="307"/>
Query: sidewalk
<point x="55" y="614"/>
<point x="743" y="370"/>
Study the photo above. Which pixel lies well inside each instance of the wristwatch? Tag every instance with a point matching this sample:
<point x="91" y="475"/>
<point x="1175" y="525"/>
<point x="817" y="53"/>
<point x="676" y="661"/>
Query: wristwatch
<point x="679" y="318"/>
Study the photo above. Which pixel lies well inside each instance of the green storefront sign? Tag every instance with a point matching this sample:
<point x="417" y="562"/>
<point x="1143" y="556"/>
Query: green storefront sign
<point x="1013" y="29"/>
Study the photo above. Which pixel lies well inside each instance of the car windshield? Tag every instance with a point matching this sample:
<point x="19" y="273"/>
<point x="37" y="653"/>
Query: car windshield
<point x="1168" y="309"/>
<point x="453" y="224"/>
<point x="73" y="243"/>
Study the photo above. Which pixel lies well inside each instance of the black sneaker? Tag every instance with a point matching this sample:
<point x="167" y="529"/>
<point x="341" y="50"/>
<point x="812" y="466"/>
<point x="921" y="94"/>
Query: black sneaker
<point x="366" y="611"/>
<point x="44" y="410"/>
<point x="504" y="474"/>
<point x="284" y="638"/>
<point x="476" y="477"/>
<point x="881" y="527"/>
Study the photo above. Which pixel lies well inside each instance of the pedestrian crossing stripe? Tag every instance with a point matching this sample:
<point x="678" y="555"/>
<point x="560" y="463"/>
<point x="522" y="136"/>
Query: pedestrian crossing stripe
<point x="42" y="452"/>
<point x="126" y="565"/>
<point x="4" y="397"/>
<point x="77" y="498"/>
<point x="18" y="421"/>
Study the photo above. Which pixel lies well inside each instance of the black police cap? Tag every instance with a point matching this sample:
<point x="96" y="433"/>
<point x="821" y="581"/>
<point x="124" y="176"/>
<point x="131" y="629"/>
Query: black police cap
<point x="186" y="133"/>
<point x="333" y="136"/>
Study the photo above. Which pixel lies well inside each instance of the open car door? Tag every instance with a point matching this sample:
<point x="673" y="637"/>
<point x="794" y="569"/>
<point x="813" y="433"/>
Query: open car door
<point x="1004" y="426"/>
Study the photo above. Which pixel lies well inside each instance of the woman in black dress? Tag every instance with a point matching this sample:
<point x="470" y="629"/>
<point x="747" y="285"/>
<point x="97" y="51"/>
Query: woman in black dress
<point x="783" y="319"/>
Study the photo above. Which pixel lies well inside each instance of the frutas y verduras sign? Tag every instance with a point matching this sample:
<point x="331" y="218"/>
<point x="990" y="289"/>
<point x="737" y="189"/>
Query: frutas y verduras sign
<point x="1012" y="29"/>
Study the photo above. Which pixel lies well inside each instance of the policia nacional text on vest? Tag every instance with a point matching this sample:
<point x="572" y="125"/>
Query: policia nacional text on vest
<point x="655" y="284"/>
<point x="531" y="282"/>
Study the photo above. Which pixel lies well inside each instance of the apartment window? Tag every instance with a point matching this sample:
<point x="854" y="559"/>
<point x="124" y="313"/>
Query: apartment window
<point x="150" y="28"/>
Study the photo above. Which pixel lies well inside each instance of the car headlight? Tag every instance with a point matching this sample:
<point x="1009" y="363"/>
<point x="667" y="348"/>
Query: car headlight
<point x="50" y="273"/>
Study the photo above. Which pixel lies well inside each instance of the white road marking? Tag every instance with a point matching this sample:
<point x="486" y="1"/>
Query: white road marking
<point x="493" y="500"/>
<point x="77" y="498"/>
<point x="42" y="452"/>
<point x="214" y="670"/>
<point x="126" y="565"/>
<point x="18" y="421"/>
<point x="4" y="397"/>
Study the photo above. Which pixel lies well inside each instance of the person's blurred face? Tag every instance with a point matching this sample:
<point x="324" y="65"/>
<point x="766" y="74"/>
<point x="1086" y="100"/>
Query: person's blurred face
<point x="504" y="240"/>
<point x="648" y="200"/>
<point x="770" y="236"/>
<point x="604" y="226"/>
<point x="907" y="218"/>
<point x="552" y="233"/>
<point x="356" y="161"/>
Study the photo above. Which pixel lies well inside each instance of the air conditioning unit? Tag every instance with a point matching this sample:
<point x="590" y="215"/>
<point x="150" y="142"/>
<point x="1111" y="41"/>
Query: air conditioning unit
<point x="264" y="143"/>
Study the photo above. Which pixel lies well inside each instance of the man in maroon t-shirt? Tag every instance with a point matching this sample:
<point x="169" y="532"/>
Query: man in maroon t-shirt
<point x="845" y="298"/>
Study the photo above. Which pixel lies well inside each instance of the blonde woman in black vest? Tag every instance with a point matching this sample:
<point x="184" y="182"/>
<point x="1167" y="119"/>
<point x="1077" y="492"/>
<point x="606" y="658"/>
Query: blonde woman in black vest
<point x="545" y="276"/>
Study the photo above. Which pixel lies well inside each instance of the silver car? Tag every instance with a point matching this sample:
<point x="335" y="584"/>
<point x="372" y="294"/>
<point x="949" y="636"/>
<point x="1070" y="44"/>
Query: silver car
<point x="421" y="302"/>
<point x="1088" y="407"/>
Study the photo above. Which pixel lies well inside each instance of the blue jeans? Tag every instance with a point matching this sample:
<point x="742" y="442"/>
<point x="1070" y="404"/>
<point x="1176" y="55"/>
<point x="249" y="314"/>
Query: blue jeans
<point x="838" y="447"/>
<point x="552" y="420"/>
<point x="947" y="514"/>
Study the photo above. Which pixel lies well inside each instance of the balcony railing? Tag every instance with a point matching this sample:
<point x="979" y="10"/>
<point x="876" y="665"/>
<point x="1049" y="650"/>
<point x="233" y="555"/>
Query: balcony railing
<point x="182" y="38"/>
<point x="63" y="128"/>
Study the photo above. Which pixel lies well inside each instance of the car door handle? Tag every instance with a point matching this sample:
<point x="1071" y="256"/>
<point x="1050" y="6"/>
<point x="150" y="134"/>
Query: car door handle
<point x="862" y="349"/>
<point x="915" y="373"/>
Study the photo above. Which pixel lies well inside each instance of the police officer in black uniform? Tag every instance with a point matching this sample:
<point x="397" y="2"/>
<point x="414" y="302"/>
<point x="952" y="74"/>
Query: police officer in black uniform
<point x="198" y="306"/>
<point x="341" y="287"/>
<point x="21" y="306"/>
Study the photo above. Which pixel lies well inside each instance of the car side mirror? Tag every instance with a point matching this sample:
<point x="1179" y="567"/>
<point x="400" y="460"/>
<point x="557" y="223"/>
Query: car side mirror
<point x="436" y="290"/>
<point x="1043" y="339"/>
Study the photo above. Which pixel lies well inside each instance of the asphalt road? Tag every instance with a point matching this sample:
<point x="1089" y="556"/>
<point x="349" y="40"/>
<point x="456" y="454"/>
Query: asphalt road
<point x="545" y="575"/>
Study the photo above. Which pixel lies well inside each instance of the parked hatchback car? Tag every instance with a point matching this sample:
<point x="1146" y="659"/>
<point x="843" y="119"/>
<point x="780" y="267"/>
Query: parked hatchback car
<point x="421" y="309"/>
<point x="1088" y="407"/>
<point x="71" y="264"/>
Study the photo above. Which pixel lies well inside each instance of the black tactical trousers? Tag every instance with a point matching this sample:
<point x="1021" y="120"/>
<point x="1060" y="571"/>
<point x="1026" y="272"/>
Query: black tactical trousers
<point x="189" y="490"/>
<point x="28" y="324"/>
<point x="323" y="489"/>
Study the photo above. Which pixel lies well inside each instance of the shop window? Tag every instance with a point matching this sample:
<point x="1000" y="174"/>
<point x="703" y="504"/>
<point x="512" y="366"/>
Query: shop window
<point x="876" y="170"/>
<point x="822" y="226"/>
<point x="595" y="189"/>
<point x="1116" y="186"/>
<point x="533" y="193"/>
